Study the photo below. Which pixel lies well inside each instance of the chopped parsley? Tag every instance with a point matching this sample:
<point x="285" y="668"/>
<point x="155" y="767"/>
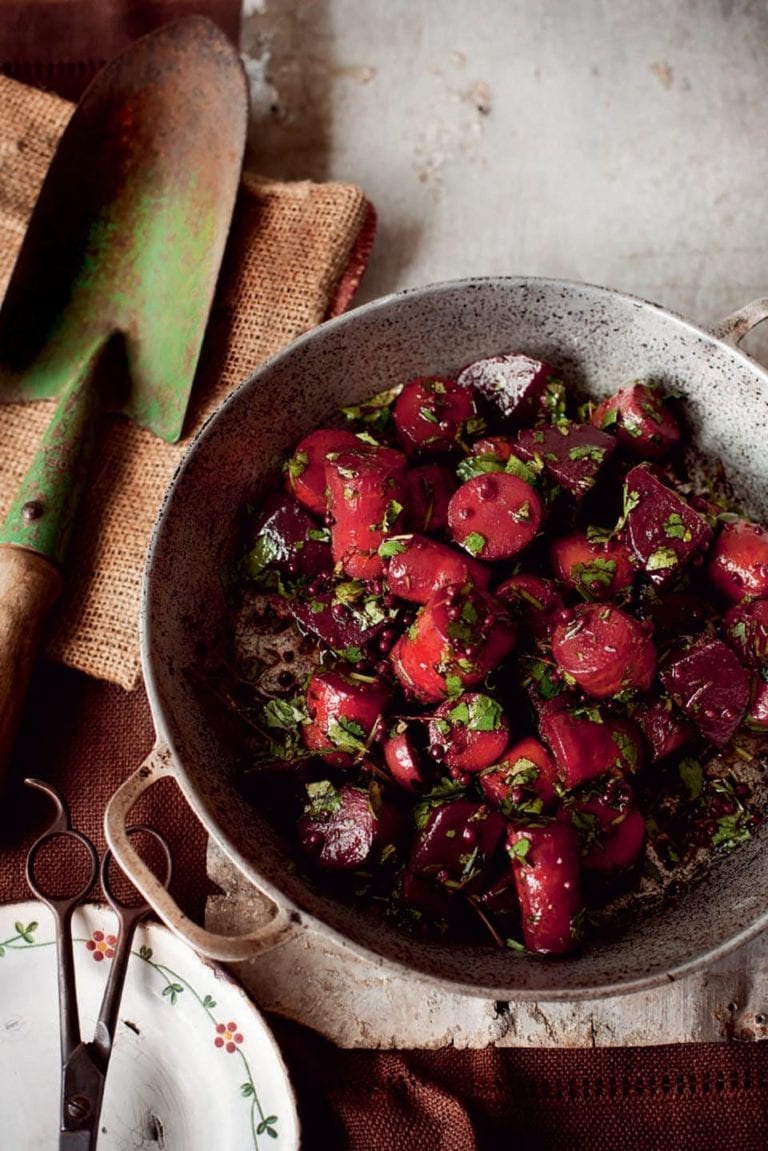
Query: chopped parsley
<point x="475" y="543"/>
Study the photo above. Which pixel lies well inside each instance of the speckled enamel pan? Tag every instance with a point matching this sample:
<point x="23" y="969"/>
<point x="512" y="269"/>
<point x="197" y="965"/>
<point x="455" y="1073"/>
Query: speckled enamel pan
<point x="599" y="339"/>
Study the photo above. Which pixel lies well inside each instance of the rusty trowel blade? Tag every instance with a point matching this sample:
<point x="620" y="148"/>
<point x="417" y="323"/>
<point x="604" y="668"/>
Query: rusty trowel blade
<point x="126" y="239"/>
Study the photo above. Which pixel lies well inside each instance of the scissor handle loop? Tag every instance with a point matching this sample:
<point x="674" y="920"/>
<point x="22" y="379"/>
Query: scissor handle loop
<point x="61" y="902"/>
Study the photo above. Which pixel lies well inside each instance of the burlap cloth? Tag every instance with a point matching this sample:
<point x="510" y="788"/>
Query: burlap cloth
<point x="293" y="255"/>
<point x="85" y="735"/>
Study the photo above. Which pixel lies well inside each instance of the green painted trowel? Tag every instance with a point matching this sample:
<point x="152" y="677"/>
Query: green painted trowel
<point x="109" y="298"/>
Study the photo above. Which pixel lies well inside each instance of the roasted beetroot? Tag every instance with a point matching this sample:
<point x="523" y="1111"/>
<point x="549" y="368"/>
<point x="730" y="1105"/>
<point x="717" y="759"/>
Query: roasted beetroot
<point x="366" y="490"/>
<point x="457" y="842"/>
<point x="547" y="866"/>
<point x="305" y="469"/>
<point x="597" y="569"/>
<point x="612" y="832"/>
<point x="661" y="529"/>
<point x="587" y="742"/>
<point x="433" y="413"/>
<point x="494" y="516"/>
<point x="665" y="728"/>
<point x="289" y="540"/>
<point x="340" y="830"/>
<point x="429" y="489"/>
<point x="641" y="418"/>
<point x="711" y="686"/>
<point x="468" y="733"/>
<point x="458" y="636"/>
<point x="403" y="759"/>
<point x="534" y="599"/>
<point x="345" y="714"/>
<point x="346" y="615"/>
<point x="746" y="630"/>
<point x="604" y="650"/>
<point x="509" y="679"/>
<point x="523" y="781"/>
<point x="572" y="454"/>
<point x="738" y="562"/>
<point x="416" y="567"/>
<point x="514" y="386"/>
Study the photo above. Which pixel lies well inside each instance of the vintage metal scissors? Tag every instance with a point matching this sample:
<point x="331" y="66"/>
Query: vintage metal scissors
<point x="84" y="1065"/>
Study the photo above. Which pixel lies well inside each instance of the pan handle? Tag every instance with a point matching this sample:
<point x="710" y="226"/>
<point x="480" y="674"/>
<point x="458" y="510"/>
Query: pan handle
<point x="734" y="328"/>
<point x="231" y="948"/>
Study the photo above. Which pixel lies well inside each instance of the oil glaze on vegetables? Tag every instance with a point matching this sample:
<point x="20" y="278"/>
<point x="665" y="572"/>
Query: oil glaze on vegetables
<point x="501" y="654"/>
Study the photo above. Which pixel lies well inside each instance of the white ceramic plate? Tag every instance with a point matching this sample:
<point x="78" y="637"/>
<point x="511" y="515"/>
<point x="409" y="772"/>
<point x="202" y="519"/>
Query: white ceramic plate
<point x="194" y="1066"/>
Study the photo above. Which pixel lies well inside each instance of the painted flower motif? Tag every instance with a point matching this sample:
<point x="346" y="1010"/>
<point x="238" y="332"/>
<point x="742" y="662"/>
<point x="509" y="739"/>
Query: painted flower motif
<point x="102" y="946"/>
<point x="227" y="1036"/>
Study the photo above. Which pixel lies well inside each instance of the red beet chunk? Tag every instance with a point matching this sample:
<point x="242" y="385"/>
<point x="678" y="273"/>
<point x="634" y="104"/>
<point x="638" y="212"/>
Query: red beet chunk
<point x="339" y="621"/>
<point x="711" y="686"/>
<point x="433" y="413"/>
<point x="605" y="650"/>
<point x="305" y="469"/>
<point x="494" y="516"/>
<point x="535" y="599"/>
<point x="738" y="562"/>
<point x="430" y="487"/>
<point x="514" y="385"/>
<point x="416" y="567"/>
<point x="665" y="729"/>
<point x="345" y="714"/>
<point x="458" y="636"/>
<point x="428" y="897"/>
<point x="499" y="898"/>
<point x="597" y="570"/>
<point x="662" y="530"/>
<point x="547" y="865"/>
<point x="340" y="829"/>
<point x="746" y="630"/>
<point x="468" y="733"/>
<point x="457" y="842"/>
<point x="613" y="836"/>
<point x="572" y="454"/>
<point x="403" y="760"/>
<point x="644" y="424"/>
<point x="366" y="494"/>
<point x="757" y="716"/>
<point x="523" y="781"/>
<point x="586" y="744"/>
<point x="496" y="449"/>
<point x="675" y="613"/>
<point x="287" y="539"/>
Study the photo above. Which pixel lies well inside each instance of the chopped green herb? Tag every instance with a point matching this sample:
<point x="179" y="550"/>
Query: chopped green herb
<point x="675" y="529"/>
<point x="481" y="713"/>
<point x="295" y="465"/>
<point x="323" y="797"/>
<point x="692" y="775"/>
<point x="392" y="547"/>
<point x="519" y="849"/>
<point x="474" y="543"/>
<point x="347" y="735"/>
<point x="598" y="571"/>
<point x="610" y="418"/>
<point x="443" y="792"/>
<point x="427" y="414"/>
<point x="323" y="535"/>
<point x="587" y="452"/>
<point x="660" y="559"/>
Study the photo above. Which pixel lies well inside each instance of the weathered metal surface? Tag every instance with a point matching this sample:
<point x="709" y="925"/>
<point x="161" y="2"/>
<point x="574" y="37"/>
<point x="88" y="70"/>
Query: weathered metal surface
<point x="111" y="290"/>
<point x="349" y="1000"/>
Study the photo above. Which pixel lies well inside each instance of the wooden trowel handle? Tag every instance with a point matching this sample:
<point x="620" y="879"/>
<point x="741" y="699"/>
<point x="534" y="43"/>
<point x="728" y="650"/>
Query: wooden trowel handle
<point x="29" y="586"/>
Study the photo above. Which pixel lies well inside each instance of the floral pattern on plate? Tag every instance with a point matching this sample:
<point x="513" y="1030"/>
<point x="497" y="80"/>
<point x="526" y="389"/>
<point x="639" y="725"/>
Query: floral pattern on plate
<point x="194" y="1065"/>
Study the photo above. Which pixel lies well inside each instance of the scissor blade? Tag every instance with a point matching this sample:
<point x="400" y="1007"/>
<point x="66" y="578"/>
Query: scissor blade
<point x="76" y="1141"/>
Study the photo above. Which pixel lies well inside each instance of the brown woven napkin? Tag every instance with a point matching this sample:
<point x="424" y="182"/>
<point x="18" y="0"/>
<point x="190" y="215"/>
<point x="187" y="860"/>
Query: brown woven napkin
<point x="293" y="257"/>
